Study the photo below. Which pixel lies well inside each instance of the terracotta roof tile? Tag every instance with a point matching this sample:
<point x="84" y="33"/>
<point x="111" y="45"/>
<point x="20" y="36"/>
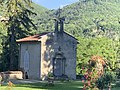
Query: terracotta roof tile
<point x="32" y="38"/>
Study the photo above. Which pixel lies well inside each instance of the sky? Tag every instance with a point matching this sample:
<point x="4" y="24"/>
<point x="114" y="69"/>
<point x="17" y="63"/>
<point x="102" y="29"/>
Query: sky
<point x="54" y="4"/>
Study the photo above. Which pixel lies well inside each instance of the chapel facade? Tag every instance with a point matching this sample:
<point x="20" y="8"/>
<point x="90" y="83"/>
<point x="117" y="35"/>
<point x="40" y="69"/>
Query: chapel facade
<point x="49" y="52"/>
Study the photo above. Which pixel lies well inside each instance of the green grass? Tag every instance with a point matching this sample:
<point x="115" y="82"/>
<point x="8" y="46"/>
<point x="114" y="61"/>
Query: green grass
<point x="73" y="85"/>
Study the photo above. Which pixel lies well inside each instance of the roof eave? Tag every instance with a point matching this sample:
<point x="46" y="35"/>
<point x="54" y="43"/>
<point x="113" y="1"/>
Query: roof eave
<point x="27" y="41"/>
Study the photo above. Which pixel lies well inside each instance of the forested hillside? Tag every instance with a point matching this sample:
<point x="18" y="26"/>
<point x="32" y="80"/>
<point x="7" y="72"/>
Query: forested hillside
<point x="85" y="18"/>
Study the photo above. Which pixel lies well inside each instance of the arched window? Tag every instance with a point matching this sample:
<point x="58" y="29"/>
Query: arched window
<point x="26" y="61"/>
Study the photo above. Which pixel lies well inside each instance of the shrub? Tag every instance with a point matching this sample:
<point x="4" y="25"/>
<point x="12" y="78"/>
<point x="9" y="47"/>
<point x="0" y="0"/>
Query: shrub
<point x="93" y="72"/>
<point x="106" y="80"/>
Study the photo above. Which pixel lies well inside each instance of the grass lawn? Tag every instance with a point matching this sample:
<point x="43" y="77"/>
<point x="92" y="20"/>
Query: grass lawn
<point x="73" y="85"/>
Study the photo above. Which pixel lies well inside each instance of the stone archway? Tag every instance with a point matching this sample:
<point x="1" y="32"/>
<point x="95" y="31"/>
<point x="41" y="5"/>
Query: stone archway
<point x="59" y="64"/>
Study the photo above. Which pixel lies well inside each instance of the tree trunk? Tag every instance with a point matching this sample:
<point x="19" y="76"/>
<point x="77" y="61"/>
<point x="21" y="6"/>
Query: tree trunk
<point x="12" y="48"/>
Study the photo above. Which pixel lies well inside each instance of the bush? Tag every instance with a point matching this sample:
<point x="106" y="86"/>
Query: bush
<point x="106" y="80"/>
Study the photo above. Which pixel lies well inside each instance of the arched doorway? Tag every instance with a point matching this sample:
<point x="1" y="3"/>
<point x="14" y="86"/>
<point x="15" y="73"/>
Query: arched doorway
<point x="59" y="64"/>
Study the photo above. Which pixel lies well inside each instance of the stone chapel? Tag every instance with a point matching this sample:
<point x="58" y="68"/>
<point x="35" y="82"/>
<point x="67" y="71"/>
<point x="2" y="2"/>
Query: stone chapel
<point x="48" y="52"/>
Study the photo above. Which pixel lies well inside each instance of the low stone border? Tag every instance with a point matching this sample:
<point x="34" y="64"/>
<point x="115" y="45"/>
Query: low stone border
<point x="11" y="75"/>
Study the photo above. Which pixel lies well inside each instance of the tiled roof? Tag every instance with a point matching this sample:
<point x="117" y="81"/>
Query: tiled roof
<point x="36" y="38"/>
<point x="32" y="38"/>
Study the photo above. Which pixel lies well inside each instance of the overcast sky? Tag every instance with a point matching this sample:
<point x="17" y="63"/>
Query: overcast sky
<point x="54" y="4"/>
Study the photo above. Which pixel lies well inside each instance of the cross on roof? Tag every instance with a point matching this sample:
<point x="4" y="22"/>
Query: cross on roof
<point x="59" y="12"/>
<point x="59" y="49"/>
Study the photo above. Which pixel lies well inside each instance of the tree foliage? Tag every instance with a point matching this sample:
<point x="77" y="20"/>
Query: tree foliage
<point x="17" y="24"/>
<point x="85" y="18"/>
<point x="93" y="71"/>
<point x="103" y="47"/>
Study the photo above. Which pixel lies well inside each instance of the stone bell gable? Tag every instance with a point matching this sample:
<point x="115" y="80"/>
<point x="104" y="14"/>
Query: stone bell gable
<point x="50" y="52"/>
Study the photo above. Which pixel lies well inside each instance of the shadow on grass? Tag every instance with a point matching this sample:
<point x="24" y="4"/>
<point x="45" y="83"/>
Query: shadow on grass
<point x="73" y="85"/>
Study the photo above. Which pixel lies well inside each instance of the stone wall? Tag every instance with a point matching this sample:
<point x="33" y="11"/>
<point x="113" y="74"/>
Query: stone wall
<point x="69" y="50"/>
<point x="11" y="75"/>
<point x="46" y="55"/>
<point x="49" y="46"/>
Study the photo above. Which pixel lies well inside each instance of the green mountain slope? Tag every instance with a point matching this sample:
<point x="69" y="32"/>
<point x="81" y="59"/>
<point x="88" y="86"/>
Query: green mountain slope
<point x="39" y="9"/>
<point x="86" y="18"/>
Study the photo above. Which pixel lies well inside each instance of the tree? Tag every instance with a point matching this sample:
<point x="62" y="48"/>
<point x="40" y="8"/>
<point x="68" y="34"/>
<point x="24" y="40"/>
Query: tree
<point x="18" y="25"/>
<point x="96" y="46"/>
<point x="94" y="71"/>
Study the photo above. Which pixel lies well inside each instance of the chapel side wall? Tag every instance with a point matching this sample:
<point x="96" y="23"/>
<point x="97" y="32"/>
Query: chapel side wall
<point x="34" y="58"/>
<point x="34" y="50"/>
